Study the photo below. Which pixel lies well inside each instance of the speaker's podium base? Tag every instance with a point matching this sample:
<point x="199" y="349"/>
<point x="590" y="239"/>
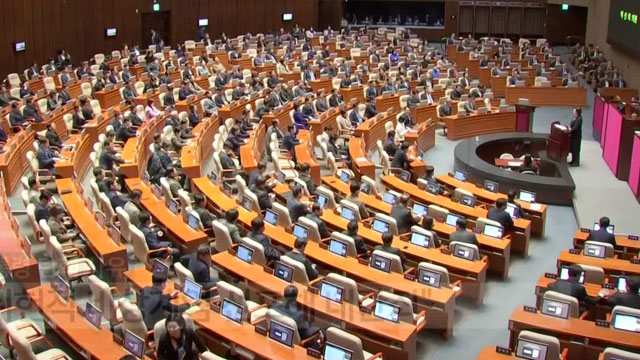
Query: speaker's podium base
<point x="558" y="142"/>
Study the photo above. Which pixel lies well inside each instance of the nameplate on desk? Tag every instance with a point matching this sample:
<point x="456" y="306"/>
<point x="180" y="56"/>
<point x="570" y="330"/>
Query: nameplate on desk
<point x="439" y="220"/>
<point x="609" y="286"/>
<point x="324" y="246"/>
<point x="215" y="307"/>
<point x="445" y="251"/>
<point x="365" y="309"/>
<point x="574" y="251"/>
<point x="635" y="261"/>
<point x="268" y="270"/>
<point x="312" y="290"/>
<point x="261" y="330"/>
<point x="503" y="350"/>
<point x="633" y="237"/>
<point x="603" y="323"/>
<point x="585" y="230"/>
<point x="66" y="191"/>
<point x="550" y="275"/>
<point x="410" y="277"/>
<point x="477" y="231"/>
<point x="531" y="309"/>
<point x="314" y="353"/>
<point x="363" y="261"/>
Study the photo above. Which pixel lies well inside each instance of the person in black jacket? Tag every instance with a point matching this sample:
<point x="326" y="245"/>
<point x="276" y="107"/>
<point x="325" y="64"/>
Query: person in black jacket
<point x="572" y="287"/>
<point x="262" y="192"/>
<point x="387" y="239"/>
<point x="179" y="343"/>
<point x="206" y="217"/>
<point x="462" y="235"/>
<point x="199" y="267"/>
<point x="257" y="235"/>
<point x="290" y="308"/>
<point x="499" y="214"/>
<point x="602" y="235"/>
<point x="125" y="132"/>
<point x="576" y="136"/>
<point x="294" y="205"/>
<point x="629" y="299"/>
<point x="154" y="305"/>
<point x="289" y="141"/>
<point x="298" y="254"/>
<point x="427" y="224"/>
<point x="400" y="158"/>
<point x="352" y="231"/>
<point x="403" y="216"/>
<point x="316" y="213"/>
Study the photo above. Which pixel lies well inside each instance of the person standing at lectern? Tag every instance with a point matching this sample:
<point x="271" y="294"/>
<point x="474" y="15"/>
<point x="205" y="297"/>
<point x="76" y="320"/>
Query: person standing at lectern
<point x="576" y="136"/>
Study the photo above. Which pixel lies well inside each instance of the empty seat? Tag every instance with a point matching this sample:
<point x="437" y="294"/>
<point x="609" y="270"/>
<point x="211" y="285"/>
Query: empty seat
<point x="574" y="306"/>
<point x="396" y="262"/>
<point x="552" y="343"/>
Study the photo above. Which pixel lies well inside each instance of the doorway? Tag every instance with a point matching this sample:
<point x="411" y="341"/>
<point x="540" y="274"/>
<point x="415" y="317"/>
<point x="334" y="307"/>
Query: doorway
<point x="160" y="21"/>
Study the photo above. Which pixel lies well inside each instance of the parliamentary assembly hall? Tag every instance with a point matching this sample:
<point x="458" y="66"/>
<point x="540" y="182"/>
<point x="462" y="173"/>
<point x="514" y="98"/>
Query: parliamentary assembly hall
<point x="320" y="179"/>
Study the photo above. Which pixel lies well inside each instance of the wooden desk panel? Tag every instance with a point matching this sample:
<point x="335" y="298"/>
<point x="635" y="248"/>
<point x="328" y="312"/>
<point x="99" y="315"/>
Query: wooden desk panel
<point x="547" y="96"/>
<point x="321" y="84"/>
<point x="385" y="102"/>
<point x="626" y="247"/>
<point x="543" y="284"/>
<point x="625" y="94"/>
<point x="108" y="98"/>
<point x="610" y="265"/>
<point x="200" y="147"/>
<point x="348" y="94"/>
<point x="361" y="164"/>
<point x="489" y="353"/>
<point x="68" y="323"/>
<point x="371" y="131"/>
<point x="479" y="124"/>
<point x="23" y="267"/>
<point x="305" y="154"/>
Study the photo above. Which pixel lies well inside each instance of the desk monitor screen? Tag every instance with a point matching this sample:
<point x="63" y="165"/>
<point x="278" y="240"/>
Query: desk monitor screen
<point x="281" y="177"/>
<point x="331" y="292"/>
<point x="389" y="198"/>
<point x="531" y="350"/>
<point x="512" y="210"/>
<point x="244" y="253"/>
<point x="429" y="278"/>
<point x="232" y="311"/>
<point x="194" y="222"/>
<point x="527" y="196"/>
<point x="433" y="188"/>
<point x="173" y="206"/>
<point x="160" y="268"/>
<point x="420" y="239"/>
<point x="380" y="226"/>
<point x="335" y="352"/>
<point x="452" y="219"/>
<point x="61" y="286"/>
<point x="564" y="274"/>
<point x="133" y="344"/>
<point x="192" y="289"/>
<point x="460" y="175"/>
<point x="420" y="209"/>
<point x="386" y="311"/>
<point x="610" y="228"/>
<point x="464" y="252"/>
<point x="338" y="247"/>
<point x="323" y="201"/>
<point x="491" y="186"/>
<point x="247" y="202"/>
<point x="271" y="217"/>
<point x="555" y="308"/>
<point x="366" y="188"/>
<point x="93" y="315"/>
<point x="300" y="232"/>
<point x="493" y="231"/>
<point x="594" y="250"/>
<point x="381" y="263"/>
<point x="467" y="200"/>
<point x="404" y="175"/>
<point x="626" y="322"/>
<point x="345" y="177"/>
<point x="111" y="32"/>
<point x="283" y="271"/>
<point x="156" y="190"/>
<point x="347" y="213"/>
<point x="281" y="333"/>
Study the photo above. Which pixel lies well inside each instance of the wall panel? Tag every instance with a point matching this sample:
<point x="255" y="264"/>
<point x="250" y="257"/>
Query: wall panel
<point x="498" y="25"/>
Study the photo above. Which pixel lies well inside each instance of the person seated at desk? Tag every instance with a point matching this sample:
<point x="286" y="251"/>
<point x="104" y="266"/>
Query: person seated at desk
<point x="484" y="62"/>
<point x="387" y="87"/>
<point x="154" y="305"/>
<point x="336" y="98"/>
<point x="462" y="235"/>
<point x="5" y="97"/>
<point x="52" y="101"/>
<point x="179" y="342"/>
<point x="370" y="109"/>
<point x="400" y="158"/>
<point x="511" y="199"/>
<point x="314" y="215"/>
<point x="307" y="109"/>
<point x="456" y="94"/>
<point x="199" y="206"/>
<point x="33" y="193"/>
<point x="151" y="235"/>
<point x="58" y="229"/>
<point x="572" y="287"/>
<point x="257" y="234"/>
<point x="226" y="158"/>
<point x="629" y="299"/>
<point x="407" y="124"/>
<point x="372" y="91"/>
<point x="109" y="158"/>
<point x="390" y="146"/>
<point x="290" y="308"/>
<point x="568" y="79"/>
<point x="260" y="189"/>
<point x="199" y="265"/>
<point x="470" y="105"/>
<point x="354" y="197"/>
<point x="401" y="212"/>
<point x="238" y="92"/>
<point x="563" y="71"/>
<point x="506" y="63"/>
<point x="354" y="116"/>
<point x="427" y="224"/>
<point x="31" y="111"/>
<point x="174" y="183"/>
<point x="321" y="102"/>
<point x="301" y="120"/>
<point x="46" y="157"/>
<point x="297" y="253"/>
<point x="289" y="141"/>
<point x="113" y="193"/>
<point x="387" y="239"/>
<point x="257" y="172"/>
<point x="25" y="91"/>
<point x="133" y="207"/>
<point x="414" y="99"/>
<point x="125" y="132"/>
<point x="150" y="111"/>
<point x="208" y="105"/>
<point x="229" y="221"/>
<point x="304" y="171"/>
<point x="528" y="165"/>
<point x="499" y="214"/>
<point x="52" y="135"/>
<point x="352" y="231"/>
<point x="295" y="206"/>
<point x="602" y="235"/>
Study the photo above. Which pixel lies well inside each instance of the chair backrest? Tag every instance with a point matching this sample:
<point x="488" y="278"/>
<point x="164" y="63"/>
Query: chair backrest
<point x="125" y="221"/>
<point x="386" y="163"/>
<point x="351" y="244"/>
<point x="437" y="212"/>
<point x="102" y="298"/>
<point x="372" y="184"/>
<point x="299" y="271"/>
<point x="183" y="273"/>
<point x="406" y="307"/>
<point x="31" y="208"/>
<point x="593" y="274"/>
<point x="314" y="232"/>
<point x="132" y="318"/>
<point x="393" y="224"/>
<point x="21" y="346"/>
<point x="353" y="207"/>
<point x="273" y="315"/>
<point x="223" y="238"/>
<point x="241" y="186"/>
<point x="258" y="251"/>
<point x="46" y="236"/>
<point x="507" y="156"/>
<point x="481" y="222"/>
<point x="105" y="206"/>
<point x="617" y="354"/>
<point x="608" y="248"/>
<point x="476" y="252"/>
<point x="140" y="247"/>
<point x="388" y="126"/>
<point x="396" y="263"/>
<point x="166" y="190"/>
<point x="574" y="306"/>
<point x="328" y="194"/>
<point x="458" y="192"/>
<point x="349" y="286"/>
<point x="444" y="273"/>
<point x="185" y="203"/>
<point x="553" y="345"/>
<point x="284" y="219"/>
<point x="58" y="255"/>
<point x="347" y="341"/>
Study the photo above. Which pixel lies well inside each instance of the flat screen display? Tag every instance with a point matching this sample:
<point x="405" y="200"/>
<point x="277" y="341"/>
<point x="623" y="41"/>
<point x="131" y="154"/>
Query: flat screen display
<point x="386" y="311"/>
<point x="281" y="333"/>
<point x="232" y="311"/>
<point x="338" y="247"/>
<point x="244" y="253"/>
<point x="203" y="22"/>
<point x="380" y="226"/>
<point x="192" y="289"/>
<point x="531" y="350"/>
<point x="287" y="17"/>
<point x="111" y="32"/>
<point x="19" y="46"/>
<point x="331" y="292"/>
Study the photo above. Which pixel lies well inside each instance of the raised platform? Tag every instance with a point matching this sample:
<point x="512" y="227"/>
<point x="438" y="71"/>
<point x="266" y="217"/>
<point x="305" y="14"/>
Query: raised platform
<point x="476" y="155"/>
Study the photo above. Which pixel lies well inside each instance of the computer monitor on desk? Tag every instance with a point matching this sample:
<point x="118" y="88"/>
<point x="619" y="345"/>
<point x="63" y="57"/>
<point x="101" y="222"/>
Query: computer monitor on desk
<point x="93" y="315"/>
<point x="380" y="226"/>
<point x="464" y="252"/>
<point x="160" y="268"/>
<point x="626" y="322"/>
<point x="338" y="247"/>
<point x="420" y="209"/>
<point x="555" y="308"/>
<point x="244" y="253"/>
<point x="493" y="231"/>
<point x="531" y="350"/>
<point x="173" y="206"/>
<point x="133" y="344"/>
<point x="323" y="201"/>
<point x="61" y="287"/>
<point x="192" y="289"/>
<point x="281" y="333"/>
<point x="429" y="278"/>
<point x="452" y="219"/>
<point x="389" y="197"/>
<point x="420" y="239"/>
<point x="300" y="231"/>
<point x="194" y="222"/>
<point x="460" y="175"/>
<point x="347" y="213"/>
<point x="331" y="292"/>
<point x="512" y="210"/>
<point x="527" y="196"/>
<point x="564" y="274"/>
<point x="335" y="352"/>
<point x="491" y="186"/>
<point x="467" y="200"/>
<point x="594" y="250"/>
<point x="610" y="229"/>
<point x="232" y="311"/>
<point x="386" y="311"/>
<point x="381" y="263"/>
<point x="283" y="271"/>
<point x="271" y="217"/>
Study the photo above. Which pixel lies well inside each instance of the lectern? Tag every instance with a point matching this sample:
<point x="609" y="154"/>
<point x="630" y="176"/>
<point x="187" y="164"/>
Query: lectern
<point x="558" y="142"/>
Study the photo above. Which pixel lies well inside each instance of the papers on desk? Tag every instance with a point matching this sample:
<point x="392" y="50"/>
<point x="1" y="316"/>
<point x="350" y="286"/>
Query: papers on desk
<point x="514" y="163"/>
<point x="535" y="207"/>
<point x="362" y="159"/>
<point x="561" y="127"/>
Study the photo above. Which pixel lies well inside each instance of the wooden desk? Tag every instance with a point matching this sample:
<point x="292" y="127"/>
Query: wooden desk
<point x="113" y="255"/>
<point x="321" y="84"/>
<point x="625" y="247"/>
<point x="136" y="150"/>
<point x="385" y="102"/>
<point x="22" y="265"/>
<point x="361" y="165"/>
<point x="394" y="340"/>
<point x="186" y="238"/>
<point x="70" y="325"/>
<point x="371" y="131"/>
<point x="348" y="94"/>
<point x="625" y="94"/>
<point x="543" y="284"/>
<point x="200" y="147"/>
<point x="537" y="212"/>
<point x="592" y="339"/>
<point x="305" y="154"/>
<point x="489" y="353"/>
<point x="479" y="124"/>
<point x="610" y="266"/>
<point x="521" y="227"/>
<point x="547" y="96"/>
<point x="108" y="98"/>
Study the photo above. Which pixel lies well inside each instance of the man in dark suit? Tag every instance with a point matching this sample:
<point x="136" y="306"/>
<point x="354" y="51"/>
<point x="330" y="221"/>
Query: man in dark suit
<point x="206" y="217"/>
<point x="499" y="214"/>
<point x="184" y="91"/>
<point x="629" y="299"/>
<point x="46" y="157"/>
<point x="572" y="287"/>
<point x="298" y="254"/>
<point x="221" y="79"/>
<point x="289" y="141"/>
<point x="108" y="158"/>
<point x="316" y="213"/>
<point x="352" y="231"/>
<point x="403" y="216"/>
<point x="295" y="206"/>
<point x="387" y="239"/>
<point x="370" y="110"/>
<point x="219" y="98"/>
<point x="87" y="111"/>
<point x="30" y="111"/>
<point x="289" y="307"/>
<point x="42" y="211"/>
<point x="225" y="157"/>
<point x="400" y="158"/>
<point x="354" y="116"/>
<point x="602" y="235"/>
<point x="114" y="195"/>
<point x="576" y="136"/>
<point x="335" y="99"/>
<point x="154" y="305"/>
<point x="257" y="235"/>
<point x="125" y="132"/>
<point x="260" y="189"/>
<point x="199" y="267"/>
<point x="372" y="92"/>
<point x="63" y="95"/>
<point x="462" y="235"/>
<point x="151" y="236"/>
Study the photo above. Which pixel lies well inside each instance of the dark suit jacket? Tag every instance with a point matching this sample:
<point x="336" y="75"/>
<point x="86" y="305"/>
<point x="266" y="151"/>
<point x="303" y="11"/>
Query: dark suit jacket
<point x="270" y="252"/>
<point x="465" y="237"/>
<point x="305" y="330"/>
<point x="322" y="227"/>
<point x="45" y="159"/>
<point x="41" y="212"/>
<point x="201" y="272"/>
<point x="602" y="236"/>
<point x="404" y="218"/>
<point x="502" y="217"/>
<point x="115" y="199"/>
<point x="334" y="101"/>
<point x="263" y="197"/>
<point x="296" y="209"/>
<point x="394" y="251"/>
<point x="628" y="299"/>
<point x="400" y="160"/>
<point x="308" y="266"/>
<point x="154" y="306"/>
<point x="569" y="287"/>
<point x="226" y="161"/>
